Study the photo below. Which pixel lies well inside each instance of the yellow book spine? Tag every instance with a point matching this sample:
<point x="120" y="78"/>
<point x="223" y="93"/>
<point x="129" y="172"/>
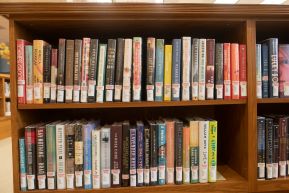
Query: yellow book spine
<point x="38" y="71"/>
<point x="213" y="151"/>
<point x="168" y="73"/>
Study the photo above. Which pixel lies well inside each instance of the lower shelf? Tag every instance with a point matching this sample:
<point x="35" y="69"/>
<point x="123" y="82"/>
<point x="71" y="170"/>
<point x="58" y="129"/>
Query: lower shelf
<point x="280" y="184"/>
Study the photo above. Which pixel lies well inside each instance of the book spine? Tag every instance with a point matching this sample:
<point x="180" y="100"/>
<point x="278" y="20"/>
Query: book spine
<point x="168" y="73"/>
<point x="46" y="73"/>
<point x="203" y="145"/>
<point x="261" y="148"/>
<point x="22" y="164"/>
<point x="282" y="146"/>
<point x="275" y="166"/>
<point x="176" y="69"/>
<point x="87" y="165"/>
<point x="264" y="70"/>
<point x="60" y="155"/>
<point x="283" y="57"/>
<point x="186" y="155"/>
<point x="186" y="68"/>
<point x="140" y="154"/>
<point x="179" y="152"/>
<point x="161" y="132"/>
<point x="210" y="68"/>
<point x="78" y="155"/>
<point x="194" y="151"/>
<point x="195" y="69"/>
<point x="170" y="151"/>
<point x="202" y="69"/>
<point x="30" y="140"/>
<point x="21" y="85"/>
<point x="259" y="71"/>
<point x="84" y="69"/>
<point x="153" y="154"/>
<point x="77" y="70"/>
<point x="116" y="159"/>
<point x="133" y="161"/>
<point x="95" y="141"/>
<point x="69" y="155"/>
<point x="212" y="166"/>
<point x="287" y="147"/>
<point x="235" y="71"/>
<point x="119" y="69"/>
<point x="125" y="155"/>
<point x="29" y="74"/>
<point x="227" y="71"/>
<point x="273" y="68"/>
<point x="69" y="57"/>
<point x="101" y="73"/>
<point x="110" y="70"/>
<point x="269" y="148"/>
<point x="41" y="157"/>
<point x="159" y="79"/>
<point x="38" y="71"/>
<point x="147" y="142"/>
<point x="219" y="76"/>
<point x="243" y="70"/>
<point x="137" y="68"/>
<point x="150" y="79"/>
<point x="105" y="157"/>
<point x="93" y="56"/>
<point x="127" y="71"/>
<point x="51" y="156"/>
<point x="61" y="71"/>
<point x="53" y="92"/>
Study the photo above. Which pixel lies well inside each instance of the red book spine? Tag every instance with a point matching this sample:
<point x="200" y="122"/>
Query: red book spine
<point x="235" y="71"/>
<point x="227" y="71"/>
<point x="243" y="70"/>
<point x="283" y="58"/>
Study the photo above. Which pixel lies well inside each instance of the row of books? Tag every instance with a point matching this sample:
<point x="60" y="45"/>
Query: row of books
<point x="89" y="71"/>
<point x="272" y="69"/>
<point x="84" y="154"/>
<point x="273" y="146"/>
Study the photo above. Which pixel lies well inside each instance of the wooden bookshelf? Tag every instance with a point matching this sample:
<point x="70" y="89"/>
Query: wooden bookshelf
<point x="3" y="78"/>
<point x="237" y="137"/>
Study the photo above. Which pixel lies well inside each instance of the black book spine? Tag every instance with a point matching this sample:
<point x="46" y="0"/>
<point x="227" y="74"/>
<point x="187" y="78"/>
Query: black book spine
<point x="46" y="73"/>
<point x="78" y="155"/>
<point x="61" y="71"/>
<point x="69" y="70"/>
<point x="41" y="156"/>
<point x="110" y="70"/>
<point x="261" y="148"/>
<point x="178" y="150"/>
<point x="269" y="147"/>
<point x="125" y="180"/>
<point x="275" y="150"/>
<point x="116" y="153"/>
<point x="92" y="70"/>
<point x="219" y="76"/>
<point x="265" y="65"/>
<point x="153" y="154"/>
<point x="147" y="140"/>
<point x="119" y="69"/>
<point x="150" y="72"/>
<point x="77" y="70"/>
<point x="273" y="68"/>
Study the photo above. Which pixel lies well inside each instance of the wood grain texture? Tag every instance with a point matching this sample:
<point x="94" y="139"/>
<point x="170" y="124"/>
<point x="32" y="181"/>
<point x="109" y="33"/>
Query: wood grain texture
<point x="5" y="127"/>
<point x="272" y="100"/>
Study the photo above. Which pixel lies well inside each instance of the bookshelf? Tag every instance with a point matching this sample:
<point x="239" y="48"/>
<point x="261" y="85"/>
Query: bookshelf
<point x="3" y="98"/>
<point x="237" y="148"/>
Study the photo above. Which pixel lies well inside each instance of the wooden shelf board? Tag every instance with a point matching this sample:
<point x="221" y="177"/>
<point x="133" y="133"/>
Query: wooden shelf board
<point x="279" y="184"/>
<point x="272" y="100"/>
<point x="6" y="76"/>
<point x="130" y="104"/>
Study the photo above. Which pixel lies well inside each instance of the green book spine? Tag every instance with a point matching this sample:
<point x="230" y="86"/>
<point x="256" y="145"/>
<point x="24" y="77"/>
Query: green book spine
<point x="212" y="151"/>
<point x="51" y="155"/>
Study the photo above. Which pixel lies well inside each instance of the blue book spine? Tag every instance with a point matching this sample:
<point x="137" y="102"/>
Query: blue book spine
<point x="265" y="64"/>
<point x="133" y="149"/>
<point x="159" y="80"/>
<point x="176" y="69"/>
<point x="162" y="152"/>
<point x="23" y="182"/>
<point x="140" y="154"/>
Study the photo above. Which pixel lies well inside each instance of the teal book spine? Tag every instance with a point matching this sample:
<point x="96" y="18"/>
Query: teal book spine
<point x="162" y="152"/>
<point x="159" y="80"/>
<point x="23" y="182"/>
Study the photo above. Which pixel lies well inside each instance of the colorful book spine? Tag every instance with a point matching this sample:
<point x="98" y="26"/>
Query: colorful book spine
<point x="22" y="164"/>
<point x="60" y="155"/>
<point x="61" y="71"/>
<point x="87" y="163"/>
<point x="147" y="158"/>
<point x="195" y="69"/>
<point x="150" y="79"/>
<point x="170" y="151"/>
<point x="29" y="74"/>
<point x="227" y="71"/>
<point x="161" y="132"/>
<point x="273" y="67"/>
<point x="243" y="70"/>
<point x="269" y="148"/>
<point x="41" y="156"/>
<point x="258" y="71"/>
<point x="159" y="79"/>
<point x="282" y="146"/>
<point x="153" y="153"/>
<point x="176" y="69"/>
<point x="78" y="155"/>
<point x="203" y="155"/>
<point x="168" y="73"/>
<point x="261" y="148"/>
<point x="219" y="87"/>
<point x="38" y="71"/>
<point x="264" y="70"/>
<point x="84" y="69"/>
<point x="132" y="155"/>
<point x="212" y="165"/>
<point x="77" y="70"/>
<point x="194" y="150"/>
<point x="140" y="153"/>
<point x="127" y="71"/>
<point x="116" y="159"/>
<point x="69" y="155"/>
<point x="46" y="73"/>
<point x="51" y="155"/>
<point x="202" y="69"/>
<point x="210" y="68"/>
<point x="110" y="70"/>
<point x="186" y="155"/>
<point x="125" y="154"/>
<point x="105" y="157"/>
<point x="179" y="152"/>
<point x="137" y="68"/>
<point x="92" y="70"/>
<point x="119" y="69"/>
<point x="101" y="73"/>
<point x="53" y="87"/>
<point x="283" y="57"/>
<point x="186" y="68"/>
<point x="95" y="141"/>
<point x="69" y="57"/>
<point x="30" y="144"/>
<point x="235" y="71"/>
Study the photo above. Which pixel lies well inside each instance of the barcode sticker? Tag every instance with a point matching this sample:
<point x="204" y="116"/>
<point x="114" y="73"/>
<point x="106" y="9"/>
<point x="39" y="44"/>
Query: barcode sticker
<point x="41" y="181"/>
<point x="117" y="92"/>
<point x="115" y="176"/>
<point x="227" y="84"/>
<point x="23" y="182"/>
<point x="69" y="181"/>
<point x="269" y="171"/>
<point x="37" y="91"/>
<point x="132" y="179"/>
<point x="68" y="93"/>
<point x="282" y="165"/>
<point x="87" y="177"/>
<point x="275" y="89"/>
<point x="186" y="91"/>
<point x="176" y="90"/>
<point x="91" y="88"/>
<point x="235" y="88"/>
<point x="20" y="91"/>
<point x="53" y="92"/>
<point x="46" y="90"/>
<point x="78" y="178"/>
<point x="108" y="95"/>
<point x="243" y="87"/>
<point x="29" y="94"/>
<point x="95" y="181"/>
<point x="140" y="176"/>
<point x="83" y="94"/>
<point x="146" y="176"/>
<point x="261" y="168"/>
<point x="213" y="173"/>
<point x="195" y="90"/>
<point x="170" y="177"/>
<point x="154" y="174"/>
<point x="50" y="183"/>
<point x="61" y="181"/>
<point x="210" y="91"/>
<point x="126" y="94"/>
<point x="31" y="182"/>
<point x="195" y="173"/>
<point x="219" y="90"/>
<point x="99" y="94"/>
<point x="186" y="172"/>
<point x="105" y="176"/>
<point x="159" y="89"/>
<point x="179" y="174"/>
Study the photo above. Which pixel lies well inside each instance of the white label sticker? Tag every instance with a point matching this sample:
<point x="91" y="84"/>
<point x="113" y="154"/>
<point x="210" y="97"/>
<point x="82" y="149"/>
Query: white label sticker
<point x="61" y="181"/>
<point x="53" y="92"/>
<point x="105" y="176"/>
<point x="60" y="95"/>
<point x="78" y="178"/>
<point x="150" y="92"/>
<point x="261" y="168"/>
<point x="126" y="94"/>
<point x="195" y="173"/>
<point x="133" y="180"/>
<point x="275" y="170"/>
<point x="109" y="95"/>
<point x="243" y="86"/>
<point x="186" y="172"/>
<point x="140" y="176"/>
<point x="202" y="91"/>
<point x="91" y="88"/>
<point x="95" y="181"/>
<point x="170" y="175"/>
<point x="99" y="94"/>
<point x="87" y="177"/>
<point x="154" y="174"/>
<point x="117" y="92"/>
<point x="179" y="174"/>
<point x="29" y="94"/>
<point x="275" y="89"/>
<point x="195" y="90"/>
<point x="83" y="94"/>
<point x="37" y="91"/>
<point x="70" y="181"/>
<point x="203" y="174"/>
<point x="176" y="90"/>
<point x="68" y="93"/>
<point x="219" y="90"/>
<point x="41" y="182"/>
<point x="259" y="89"/>
<point x="162" y="172"/>
<point x="31" y="182"/>
<point x="168" y="91"/>
<point x="115" y="176"/>
<point x="136" y="92"/>
<point x="213" y="173"/>
<point x="227" y="84"/>
<point x="210" y="91"/>
<point x="20" y="91"/>
<point x="186" y="91"/>
<point x="282" y="165"/>
<point x="46" y="90"/>
<point x="159" y="89"/>
<point x="76" y="93"/>
<point x="269" y="171"/>
<point x="51" y="183"/>
<point x="23" y="182"/>
<point x="235" y="88"/>
<point x="146" y="176"/>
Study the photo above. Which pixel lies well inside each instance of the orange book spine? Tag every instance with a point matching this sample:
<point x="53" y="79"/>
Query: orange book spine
<point x="227" y="71"/>
<point x="235" y="71"/>
<point x="243" y="71"/>
<point x="186" y="155"/>
<point x="170" y="151"/>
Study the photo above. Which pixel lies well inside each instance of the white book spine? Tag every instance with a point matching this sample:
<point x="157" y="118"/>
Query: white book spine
<point x="84" y="70"/>
<point x="203" y="154"/>
<point x="186" y="62"/>
<point x="127" y="65"/>
<point x="195" y="69"/>
<point x="137" y="68"/>
<point x="202" y="69"/>
<point x="95" y="159"/>
<point x="258" y="71"/>
<point x="105" y="157"/>
<point x="60" y="156"/>
<point x="101" y="73"/>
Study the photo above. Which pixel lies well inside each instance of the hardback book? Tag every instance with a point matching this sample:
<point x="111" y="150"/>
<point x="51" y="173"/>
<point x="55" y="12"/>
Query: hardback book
<point x="235" y="86"/>
<point x="95" y="142"/>
<point x="22" y="164"/>
<point x="261" y="158"/>
<point x="153" y="153"/>
<point x="137" y="69"/>
<point x="194" y="150"/>
<point x="132" y="156"/>
<point x="77" y="70"/>
<point x="147" y="142"/>
<point x="212" y="165"/>
<point x="28" y="75"/>
<point x="176" y="69"/>
<point x="116" y="149"/>
<point x="92" y="70"/>
<point x="202" y="69"/>
<point x="186" y="67"/>
<point x="170" y="151"/>
<point x="105" y="157"/>
<point x="150" y="73"/>
<point x="243" y="70"/>
<point x="269" y="147"/>
<point x="69" y="154"/>
<point x="30" y="144"/>
<point x="178" y="152"/>
<point x="38" y="56"/>
<point x="78" y="154"/>
<point x="53" y="84"/>
<point x="219" y="71"/>
<point x="127" y="71"/>
<point x="101" y="73"/>
<point x="119" y="69"/>
<point x="282" y="145"/>
<point x="275" y="165"/>
<point x="195" y="69"/>
<point x="60" y="155"/>
<point x="110" y="70"/>
<point x="41" y="156"/>
<point x="46" y="73"/>
<point x="283" y="57"/>
<point x="227" y="71"/>
<point x="264" y="69"/>
<point x="210" y="68"/>
<point x="159" y="79"/>
<point x="51" y="155"/>
<point x="258" y="71"/>
<point x="21" y="70"/>
<point x="69" y="57"/>
<point x="161" y="133"/>
<point x="140" y="153"/>
<point x="203" y="150"/>
<point x="125" y="180"/>
<point x="186" y="154"/>
<point x="168" y="73"/>
<point x="84" y="69"/>
<point x="61" y="71"/>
